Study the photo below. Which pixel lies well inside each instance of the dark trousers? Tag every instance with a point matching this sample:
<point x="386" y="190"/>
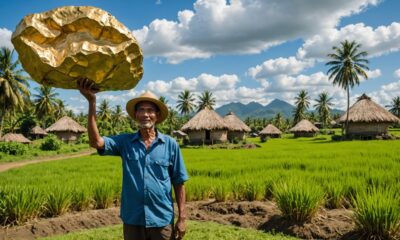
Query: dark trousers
<point x="133" y="232"/>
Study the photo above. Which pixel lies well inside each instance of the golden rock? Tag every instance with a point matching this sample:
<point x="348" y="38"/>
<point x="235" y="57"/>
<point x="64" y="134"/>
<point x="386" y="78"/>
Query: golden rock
<point x="59" y="46"/>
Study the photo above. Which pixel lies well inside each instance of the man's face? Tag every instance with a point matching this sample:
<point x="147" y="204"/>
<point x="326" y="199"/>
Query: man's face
<point x="146" y="114"/>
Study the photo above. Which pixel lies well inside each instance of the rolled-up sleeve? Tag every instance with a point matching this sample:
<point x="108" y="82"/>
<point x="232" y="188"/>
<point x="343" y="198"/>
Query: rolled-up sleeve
<point x="179" y="174"/>
<point x="110" y="146"/>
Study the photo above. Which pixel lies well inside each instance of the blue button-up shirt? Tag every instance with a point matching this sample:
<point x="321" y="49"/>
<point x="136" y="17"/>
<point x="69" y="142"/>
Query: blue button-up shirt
<point x="146" y="197"/>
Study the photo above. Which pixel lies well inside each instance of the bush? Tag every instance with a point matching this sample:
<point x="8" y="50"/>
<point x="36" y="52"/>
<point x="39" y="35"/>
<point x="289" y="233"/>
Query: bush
<point x="51" y="143"/>
<point x="377" y="213"/>
<point x="84" y="138"/>
<point x="297" y="200"/>
<point x="13" y="148"/>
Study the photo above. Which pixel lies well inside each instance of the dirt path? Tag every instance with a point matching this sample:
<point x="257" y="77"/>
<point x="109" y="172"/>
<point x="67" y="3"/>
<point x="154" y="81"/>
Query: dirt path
<point x="6" y="166"/>
<point x="261" y="215"/>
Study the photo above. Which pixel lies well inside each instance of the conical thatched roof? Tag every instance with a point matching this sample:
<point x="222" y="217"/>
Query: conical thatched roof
<point x="304" y="126"/>
<point x="235" y="124"/>
<point x="270" y="129"/>
<point x="14" y="137"/>
<point x="38" y="131"/>
<point x="206" y="119"/>
<point x="366" y="110"/>
<point x="66" y="124"/>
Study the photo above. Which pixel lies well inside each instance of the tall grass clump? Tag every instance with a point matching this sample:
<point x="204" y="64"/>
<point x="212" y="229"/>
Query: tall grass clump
<point x="103" y="195"/>
<point x="221" y="192"/>
<point x="377" y="213"/>
<point x="81" y="199"/>
<point x="334" y="195"/>
<point x="298" y="200"/>
<point x="58" y="201"/>
<point x="18" y="205"/>
<point x="248" y="190"/>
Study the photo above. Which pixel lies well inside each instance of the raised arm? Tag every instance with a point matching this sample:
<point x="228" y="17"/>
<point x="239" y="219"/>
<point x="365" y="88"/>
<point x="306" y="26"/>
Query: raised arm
<point x="85" y="86"/>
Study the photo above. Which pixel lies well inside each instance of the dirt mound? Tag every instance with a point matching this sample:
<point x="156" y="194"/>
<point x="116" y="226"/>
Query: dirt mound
<point x="265" y="216"/>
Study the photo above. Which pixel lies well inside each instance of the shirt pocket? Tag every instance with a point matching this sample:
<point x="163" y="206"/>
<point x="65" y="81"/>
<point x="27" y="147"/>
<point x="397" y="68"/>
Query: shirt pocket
<point x="160" y="168"/>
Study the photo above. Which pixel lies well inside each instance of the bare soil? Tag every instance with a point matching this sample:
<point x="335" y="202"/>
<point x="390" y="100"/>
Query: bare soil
<point x="6" y="166"/>
<point x="265" y="216"/>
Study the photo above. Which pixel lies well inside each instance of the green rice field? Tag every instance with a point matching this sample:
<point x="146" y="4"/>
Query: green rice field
<point x="299" y="174"/>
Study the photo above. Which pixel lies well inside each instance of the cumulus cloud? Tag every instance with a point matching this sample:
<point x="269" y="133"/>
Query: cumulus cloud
<point x="241" y="26"/>
<point x="378" y="41"/>
<point x="397" y="73"/>
<point x="279" y="66"/>
<point x="5" y="38"/>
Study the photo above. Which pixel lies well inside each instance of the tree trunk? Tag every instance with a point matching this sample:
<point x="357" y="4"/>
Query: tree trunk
<point x="347" y="113"/>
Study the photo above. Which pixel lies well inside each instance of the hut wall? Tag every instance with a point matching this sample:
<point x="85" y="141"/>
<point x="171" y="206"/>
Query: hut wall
<point x="199" y="137"/>
<point x="236" y="134"/>
<point x="304" y="134"/>
<point x="271" y="135"/>
<point x="369" y="129"/>
<point x="68" y="136"/>
<point x="219" y="136"/>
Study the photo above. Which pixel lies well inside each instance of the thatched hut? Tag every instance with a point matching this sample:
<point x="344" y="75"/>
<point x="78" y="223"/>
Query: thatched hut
<point x="66" y="129"/>
<point x="15" y="137"/>
<point x="237" y="128"/>
<point x="37" y="132"/>
<point x="304" y="128"/>
<point x="270" y="131"/>
<point x="179" y="134"/>
<point x="206" y="127"/>
<point x="368" y="119"/>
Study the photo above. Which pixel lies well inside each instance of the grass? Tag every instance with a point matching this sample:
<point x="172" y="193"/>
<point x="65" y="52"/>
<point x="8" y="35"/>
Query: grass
<point x="195" y="231"/>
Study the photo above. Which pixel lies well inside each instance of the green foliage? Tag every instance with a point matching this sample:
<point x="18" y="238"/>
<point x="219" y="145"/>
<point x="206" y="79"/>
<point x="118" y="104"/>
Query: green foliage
<point x="81" y="199"/>
<point x="221" y="192"/>
<point x="51" y="143"/>
<point x="13" y="148"/>
<point x="377" y="213"/>
<point x="298" y="200"/>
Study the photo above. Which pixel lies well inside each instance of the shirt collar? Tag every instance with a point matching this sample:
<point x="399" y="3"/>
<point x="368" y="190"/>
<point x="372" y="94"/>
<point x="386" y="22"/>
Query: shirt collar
<point x="159" y="137"/>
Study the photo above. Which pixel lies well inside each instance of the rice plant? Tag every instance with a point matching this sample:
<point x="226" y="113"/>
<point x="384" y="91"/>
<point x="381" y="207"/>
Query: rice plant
<point x="103" y="195"/>
<point x="298" y="200"/>
<point x="81" y="199"/>
<point x="377" y="213"/>
<point x="221" y="192"/>
<point x="19" y="205"/>
<point x="334" y="195"/>
<point x="58" y="201"/>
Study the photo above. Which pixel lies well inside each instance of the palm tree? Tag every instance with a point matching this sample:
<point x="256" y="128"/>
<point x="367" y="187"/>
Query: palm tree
<point x="105" y="112"/>
<point x="14" y="93"/>
<point x="278" y="120"/>
<point x="60" y="110"/>
<point x="45" y="102"/>
<point x="302" y="104"/>
<point x="395" y="106"/>
<point x="348" y="63"/>
<point x="163" y="99"/>
<point x="206" y="99"/>
<point x="118" y="120"/>
<point x="186" y="102"/>
<point x="323" y="107"/>
<point x="172" y="120"/>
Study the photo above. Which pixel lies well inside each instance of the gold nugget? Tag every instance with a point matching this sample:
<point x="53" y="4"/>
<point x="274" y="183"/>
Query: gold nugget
<point x="59" y="46"/>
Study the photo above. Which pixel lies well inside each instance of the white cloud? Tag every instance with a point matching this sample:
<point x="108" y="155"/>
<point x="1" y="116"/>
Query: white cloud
<point x="241" y="26"/>
<point x="373" y="73"/>
<point x="397" y="73"/>
<point x="278" y="66"/>
<point x="5" y="38"/>
<point x="376" y="42"/>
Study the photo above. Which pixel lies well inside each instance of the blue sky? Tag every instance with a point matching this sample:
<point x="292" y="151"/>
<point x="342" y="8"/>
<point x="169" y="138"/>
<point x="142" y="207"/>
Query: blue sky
<point x="242" y="50"/>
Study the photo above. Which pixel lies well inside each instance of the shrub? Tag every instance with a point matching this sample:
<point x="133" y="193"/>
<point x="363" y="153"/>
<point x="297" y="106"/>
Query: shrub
<point x="13" y="148"/>
<point x="58" y="201"/>
<point x="50" y="143"/>
<point x="377" y="213"/>
<point x="84" y="138"/>
<point x="298" y="200"/>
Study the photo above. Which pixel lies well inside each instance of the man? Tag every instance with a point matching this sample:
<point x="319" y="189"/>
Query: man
<point x="151" y="161"/>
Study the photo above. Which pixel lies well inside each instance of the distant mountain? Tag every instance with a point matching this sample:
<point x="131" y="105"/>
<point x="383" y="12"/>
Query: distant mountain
<point x="256" y="110"/>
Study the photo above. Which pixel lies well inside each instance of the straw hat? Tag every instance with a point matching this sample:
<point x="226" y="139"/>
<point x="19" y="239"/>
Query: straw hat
<point x="147" y="97"/>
